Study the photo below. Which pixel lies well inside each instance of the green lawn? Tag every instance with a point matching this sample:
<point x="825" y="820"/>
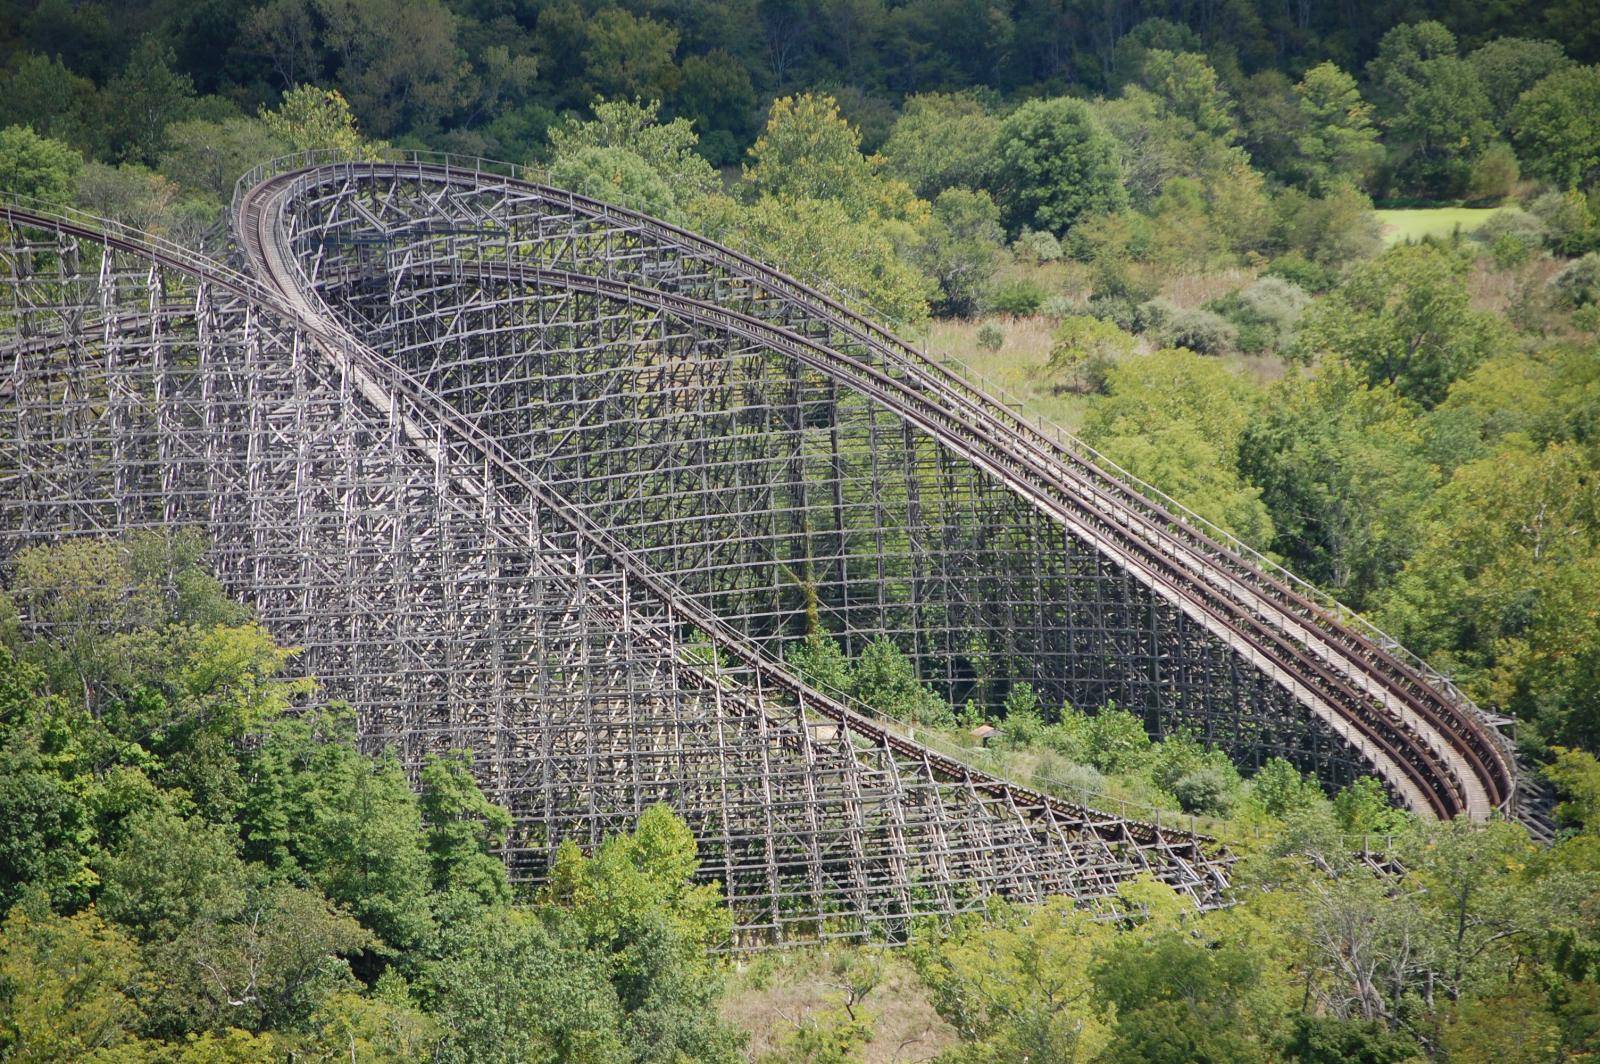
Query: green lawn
<point x="1400" y="226"/>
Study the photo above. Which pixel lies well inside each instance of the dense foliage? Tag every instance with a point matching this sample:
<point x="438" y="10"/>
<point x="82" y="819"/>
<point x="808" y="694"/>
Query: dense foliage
<point x="197" y="864"/>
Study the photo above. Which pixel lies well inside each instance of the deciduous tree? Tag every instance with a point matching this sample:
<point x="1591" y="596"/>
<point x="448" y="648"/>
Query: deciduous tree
<point x="1058" y="165"/>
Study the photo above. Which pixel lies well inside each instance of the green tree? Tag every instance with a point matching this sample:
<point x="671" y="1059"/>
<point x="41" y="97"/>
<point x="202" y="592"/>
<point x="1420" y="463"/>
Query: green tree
<point x="37" y="167"/>
<point x="48" y="840"/>
<point x="1085" y="348"/>
<point x="1500" y="587"/>
<point x="1338" y="144"/>
<point x="1509" y="66"/>
<point x="1019" y="987"/>
<point x="1175" y="419"/>
<point x="716" y="94"/>
<point x="69" y="986"/>
<point x="1332" y="1040"/>
<point x="1190" y="91"/>
<point x="169" y="871"/>
<point x="618" y="176"/>
<point x="1178" y="122"/>
<point x="1272" y="121"/>
<point x="635" y="904"/>
<point x="1342" y="470"/>
<point x="1404" y="319"/>
<point x="1129" y="53"/>
<point x="626" y="155"/>
<point x="1435" y="109"/>
<point x="629" y="56"/>
<point x="820" y="243"/>
<point x="821" y="662"/>
<point x="1473" y="880"/>
<point x="942" y="140"/>
<point x="1281" y="791"/>
<point x="398" y="61"/>
<point x="886" y="681"/>
<point x="351" y="822"/>
<point x="463" y="829"/>
<point x="1556" y="126"/>
<point x="509" y="991"/>
<point x="266" y="959"/>
<point x="1546" y="396"/>
<point x="139" y="197"/>
<point x="502" y="80"/>
<point x="808" y="151"/>
<point x="1328" y="231"/>
<point x="386" y="1025"/>
<point x="1058" y="165"/>
<point x="960" y="246"/>
<point x="40" y="92"/>
<point x="210" y="156"/>
<point x="309" y="118"/>
<point x="143" y="100"/>
<point x="1179" y="1001"/>
<point x="1576" y="775"/>
<point x="1363" y="808"/>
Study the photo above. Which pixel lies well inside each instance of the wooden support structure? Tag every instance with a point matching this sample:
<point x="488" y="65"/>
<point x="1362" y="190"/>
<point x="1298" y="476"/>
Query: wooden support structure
<point x="559" y="483"/>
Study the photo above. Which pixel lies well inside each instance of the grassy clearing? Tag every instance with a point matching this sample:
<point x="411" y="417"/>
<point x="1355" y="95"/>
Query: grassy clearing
<point x="1402" y="225"/>
<point x="770" y="994"/>
<point x="1017" y="369"/>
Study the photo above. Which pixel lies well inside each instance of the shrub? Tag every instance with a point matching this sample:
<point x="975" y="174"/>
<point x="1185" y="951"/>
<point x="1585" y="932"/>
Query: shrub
<point x="1569" y="222"/>
<point x="990" y="337"/>
<point x="1036" y="246"/>
<point x="1129" y="315"/>
<point x="1274" y="301"/>
<point x="821" y="662"/>
<point x="1022" y="699"/>
<point x="1297" y="269"/>
<point x="1084" y="348"/>
<point x="1511" y="221"/>
<point x="1511" y="236"/>
<point x="959" y="247"/>
<point x="1116" y="741"/>
<point x="1507" y="252"/>
<point x="1207" y="789"/>
<point x="1264" y="311"/>
<point x="1281" y="791"/>
<point x="1578" y="284"/>
<point x="1494" y="174"/>
<point x="1363" y="808"/>
<point x="1199" y="330"/>
<point x="1021" y="730"/>
<point x="1060" y="307"/>
<point x="1074" y="781"/>
<point x="1333" y="230"/>
<point x="886" y="680"/>
<point x="1115" y="275"/>
<point x="1020" y="297"/>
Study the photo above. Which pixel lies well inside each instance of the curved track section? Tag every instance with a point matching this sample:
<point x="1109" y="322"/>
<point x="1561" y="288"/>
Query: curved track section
<point x="775" y="458"/>
<point x="436" y="579"/>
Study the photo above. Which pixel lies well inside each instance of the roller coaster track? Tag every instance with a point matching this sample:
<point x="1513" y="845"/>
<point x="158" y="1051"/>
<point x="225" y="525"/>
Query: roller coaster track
<point x="531" y="474"/>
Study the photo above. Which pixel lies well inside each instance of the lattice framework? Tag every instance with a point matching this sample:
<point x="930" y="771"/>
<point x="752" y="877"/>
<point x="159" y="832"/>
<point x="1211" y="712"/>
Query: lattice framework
<point x="557" y="483"/>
